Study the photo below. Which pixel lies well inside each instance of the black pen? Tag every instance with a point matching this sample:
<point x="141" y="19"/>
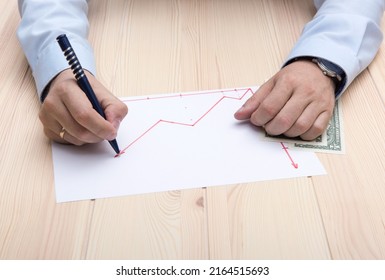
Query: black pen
<point x="82" y="80"/>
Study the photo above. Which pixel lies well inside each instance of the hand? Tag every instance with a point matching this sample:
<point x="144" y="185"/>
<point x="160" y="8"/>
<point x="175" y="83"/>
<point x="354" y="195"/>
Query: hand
<point x="66" y="106"/>
<point x="297" y="101"/>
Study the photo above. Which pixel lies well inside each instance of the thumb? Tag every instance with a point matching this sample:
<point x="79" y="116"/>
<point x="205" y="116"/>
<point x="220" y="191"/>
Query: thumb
<point x="115" y="112"/>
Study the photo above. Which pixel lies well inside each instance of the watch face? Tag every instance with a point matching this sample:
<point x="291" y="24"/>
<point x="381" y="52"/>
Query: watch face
<point x="331" y="67"/>
<point x="327" y="64"/>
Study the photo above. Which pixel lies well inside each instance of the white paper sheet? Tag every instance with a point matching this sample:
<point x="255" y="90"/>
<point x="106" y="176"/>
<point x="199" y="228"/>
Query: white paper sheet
<point x="177" y="141"/>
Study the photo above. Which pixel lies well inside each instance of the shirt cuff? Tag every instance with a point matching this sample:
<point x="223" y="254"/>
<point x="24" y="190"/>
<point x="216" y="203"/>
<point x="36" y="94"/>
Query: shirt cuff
<point x="52" y="61"/>
<point x="339" y="83"/>
<point x="342" y="58"/>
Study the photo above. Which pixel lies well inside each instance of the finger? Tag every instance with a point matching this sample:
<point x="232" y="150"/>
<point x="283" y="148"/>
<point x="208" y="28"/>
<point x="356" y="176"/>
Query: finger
<point x="50" y="115"/>
<point x="318" y="127"/>
<point x="309" y="115"/>
<point x="288" y="116"/>
<point x="55" y="115"/>
<point x="57" y="132"/>
<point x="271" y="105"/>
<point x="254" y="101"/>
<point x="67" y="106"/>
<point x="115" y="110"/>
<point x="88" y="125"/>
<point x="303" y="122"/>
<point x="62" y="137"/>
<point x="323" y="104"/>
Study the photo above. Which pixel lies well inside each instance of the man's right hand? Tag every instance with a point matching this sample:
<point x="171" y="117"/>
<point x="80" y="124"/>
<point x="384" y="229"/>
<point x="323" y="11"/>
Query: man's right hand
<point x="66" y="106"/>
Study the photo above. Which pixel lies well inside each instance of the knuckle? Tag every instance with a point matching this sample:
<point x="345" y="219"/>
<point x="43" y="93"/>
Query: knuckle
<point x="309" y="89"/>
<point x="319" y="127"/>
<point x="124" y="109"/>
<point x="268" y="109"/>
<point x="288" y="80"/>
<point x="82" y="115"/>
<point x="280" y="125"/>
<point x="48" y="133"/>
<point x="49" y="105"/>
<point x="273" y="130"/>
<point x="301" y="125"/>
<point x="318" y="130"/>
<point x="254" y="119"/>
<point x="42" y="117"/>
<point x="315" y="132"/>
<point x="285" y="122"/>
<point x="121" y="110"/>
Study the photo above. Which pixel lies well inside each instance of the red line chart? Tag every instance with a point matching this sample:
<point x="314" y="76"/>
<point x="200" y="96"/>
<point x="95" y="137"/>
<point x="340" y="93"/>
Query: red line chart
<point x="194" y="123"/>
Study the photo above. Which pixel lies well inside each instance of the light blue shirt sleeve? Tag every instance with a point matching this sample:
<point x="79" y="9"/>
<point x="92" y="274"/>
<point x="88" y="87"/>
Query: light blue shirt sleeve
<point x="345" y="32"/>
<point x="41" y="22"/>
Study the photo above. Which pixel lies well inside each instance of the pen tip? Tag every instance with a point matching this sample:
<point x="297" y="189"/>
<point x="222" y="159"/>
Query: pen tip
<point x="115" y="146"/>
<point x="119" y="154"/>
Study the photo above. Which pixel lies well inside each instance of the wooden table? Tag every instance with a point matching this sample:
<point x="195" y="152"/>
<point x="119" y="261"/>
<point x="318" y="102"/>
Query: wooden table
<point x="160" y="46"/>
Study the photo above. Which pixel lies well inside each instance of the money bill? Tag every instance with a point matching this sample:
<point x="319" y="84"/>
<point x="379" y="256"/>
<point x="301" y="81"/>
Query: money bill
<point x="331" y="141"/>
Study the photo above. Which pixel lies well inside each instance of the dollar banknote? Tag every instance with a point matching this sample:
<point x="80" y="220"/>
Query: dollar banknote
<point x="331" y="141"/>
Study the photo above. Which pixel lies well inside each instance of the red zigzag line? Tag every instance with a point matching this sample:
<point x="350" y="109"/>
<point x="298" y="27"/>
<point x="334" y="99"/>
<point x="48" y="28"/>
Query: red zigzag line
<point x="198" y="120"/>
<point x="180" y="123"/>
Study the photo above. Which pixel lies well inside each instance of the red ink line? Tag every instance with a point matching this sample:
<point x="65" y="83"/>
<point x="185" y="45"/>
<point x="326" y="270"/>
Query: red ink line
<point x="118" y="155"/>
<point x="295" y="165"/>
<point x="144" y="133"/>
<point x="180" y="123"/>
<point x="185" y="95"/>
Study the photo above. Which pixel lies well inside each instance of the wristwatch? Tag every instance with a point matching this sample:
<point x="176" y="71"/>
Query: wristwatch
<point x="329" y="69"/>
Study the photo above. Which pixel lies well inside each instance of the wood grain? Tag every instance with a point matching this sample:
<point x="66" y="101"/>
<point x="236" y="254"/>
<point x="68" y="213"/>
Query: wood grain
<point x="157" y="46"/>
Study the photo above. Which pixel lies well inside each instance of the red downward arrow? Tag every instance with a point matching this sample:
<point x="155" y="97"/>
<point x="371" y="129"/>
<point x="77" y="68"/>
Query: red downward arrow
<point x="295" y="165"/>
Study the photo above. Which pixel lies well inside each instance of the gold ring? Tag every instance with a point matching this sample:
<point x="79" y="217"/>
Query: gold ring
<point x="62" y="132"/>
